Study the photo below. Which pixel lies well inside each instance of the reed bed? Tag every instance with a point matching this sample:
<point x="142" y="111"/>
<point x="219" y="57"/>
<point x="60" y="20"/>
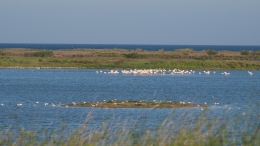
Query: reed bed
<point x="198" y="131"/>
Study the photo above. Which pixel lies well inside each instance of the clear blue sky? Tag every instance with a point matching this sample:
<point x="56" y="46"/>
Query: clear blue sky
<point x="177" y="22"/>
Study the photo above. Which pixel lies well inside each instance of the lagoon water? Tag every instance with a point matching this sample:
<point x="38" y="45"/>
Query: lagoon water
<point x="236" y="94"/>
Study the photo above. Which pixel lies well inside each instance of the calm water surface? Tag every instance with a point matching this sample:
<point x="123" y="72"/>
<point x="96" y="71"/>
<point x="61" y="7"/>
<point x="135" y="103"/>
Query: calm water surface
<point x="239" y="91"/>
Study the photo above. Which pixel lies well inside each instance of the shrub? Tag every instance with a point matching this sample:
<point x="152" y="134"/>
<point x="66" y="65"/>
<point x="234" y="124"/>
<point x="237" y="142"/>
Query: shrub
<point x="2" y="53"/>
<point x="255" y="53"/>
<point x="161" y="50"/>
<point x="184" y="50"/>
<point x="186" y="53"/>
<point x="211" y="52"/>
<point x="135" y="55"/>
<point x="244" y="52"/>
<point x="139" y="50"/>
<point x="43" y="53"/>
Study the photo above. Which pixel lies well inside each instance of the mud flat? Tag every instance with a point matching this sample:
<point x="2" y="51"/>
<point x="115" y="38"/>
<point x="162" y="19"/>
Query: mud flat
<point x="134" y="104"/>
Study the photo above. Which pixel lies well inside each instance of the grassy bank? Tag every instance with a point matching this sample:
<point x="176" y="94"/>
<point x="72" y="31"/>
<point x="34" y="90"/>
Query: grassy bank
<point x="132" y="59"/>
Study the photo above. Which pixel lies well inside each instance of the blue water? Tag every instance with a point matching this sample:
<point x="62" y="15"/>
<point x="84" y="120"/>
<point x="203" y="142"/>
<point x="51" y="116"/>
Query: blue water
<point x="238" y="91"/>
<point x="129" y="47"/>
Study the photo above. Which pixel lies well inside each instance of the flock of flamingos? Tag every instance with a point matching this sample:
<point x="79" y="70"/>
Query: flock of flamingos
<point x="159" y="71"/>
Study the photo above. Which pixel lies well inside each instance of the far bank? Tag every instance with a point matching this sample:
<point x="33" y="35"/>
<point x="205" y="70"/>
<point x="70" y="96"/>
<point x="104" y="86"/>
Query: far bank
<point x="130" y="59"/>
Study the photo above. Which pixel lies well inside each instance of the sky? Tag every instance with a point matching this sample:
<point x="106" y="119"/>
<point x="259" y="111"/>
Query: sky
<point x="169" y="22"/>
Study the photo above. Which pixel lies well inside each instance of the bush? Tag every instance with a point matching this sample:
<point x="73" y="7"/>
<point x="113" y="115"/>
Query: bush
<point x="256" y="53"/>
<point x="244" y="52"/>
<point x="161" y="50"/>
<point x="211" y="52"/>
<point x="43" y="53"/>
<point x="184" y="50"/>
<point x="135" y="55"/>
<point x="2" y="53"/>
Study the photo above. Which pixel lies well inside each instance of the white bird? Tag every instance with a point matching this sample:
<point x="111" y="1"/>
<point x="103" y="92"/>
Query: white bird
<point x="216" y="103"/>
<point x="250" y="73"/>
<point x="37" y="102"/>
<point x="19" y="104"/>
<point x="2" y="104"/>
<point x="45" y="104"/>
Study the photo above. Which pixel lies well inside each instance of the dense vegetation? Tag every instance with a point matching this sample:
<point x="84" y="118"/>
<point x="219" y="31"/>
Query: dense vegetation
<point x="197" y="132"/>
<point x="42" y="53"/>
<point x="140" y="59"/>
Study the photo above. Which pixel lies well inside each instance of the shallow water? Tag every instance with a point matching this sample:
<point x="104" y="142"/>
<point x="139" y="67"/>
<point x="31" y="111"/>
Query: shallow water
<point x="236" y="93"/>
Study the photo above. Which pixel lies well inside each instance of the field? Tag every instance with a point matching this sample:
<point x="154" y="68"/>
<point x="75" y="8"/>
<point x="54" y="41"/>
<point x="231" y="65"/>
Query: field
<point x="130" y="59"/>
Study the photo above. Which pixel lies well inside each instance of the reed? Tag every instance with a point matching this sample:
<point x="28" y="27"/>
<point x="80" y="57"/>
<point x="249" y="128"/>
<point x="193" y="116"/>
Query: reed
<point x="199" y="131"/>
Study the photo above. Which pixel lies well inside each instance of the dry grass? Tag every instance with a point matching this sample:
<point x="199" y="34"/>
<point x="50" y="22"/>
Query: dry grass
<point x="118" y="52"/>
<point x="130" y="59"/>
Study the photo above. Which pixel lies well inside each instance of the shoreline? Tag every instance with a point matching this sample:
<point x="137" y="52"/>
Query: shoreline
<point x="93" y="68"/>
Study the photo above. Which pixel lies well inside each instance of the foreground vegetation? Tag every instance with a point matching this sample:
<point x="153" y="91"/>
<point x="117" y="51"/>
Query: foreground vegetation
<point x="132" y="59"/>
<point x="214" y="132"/>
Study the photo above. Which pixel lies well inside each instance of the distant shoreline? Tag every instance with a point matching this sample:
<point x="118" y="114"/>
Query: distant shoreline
<point x="147" y="47"/>
<point x="129" y="59"/>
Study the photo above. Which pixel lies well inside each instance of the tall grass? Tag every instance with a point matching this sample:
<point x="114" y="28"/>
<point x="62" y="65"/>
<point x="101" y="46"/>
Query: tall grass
<point x="195" y="132"/>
